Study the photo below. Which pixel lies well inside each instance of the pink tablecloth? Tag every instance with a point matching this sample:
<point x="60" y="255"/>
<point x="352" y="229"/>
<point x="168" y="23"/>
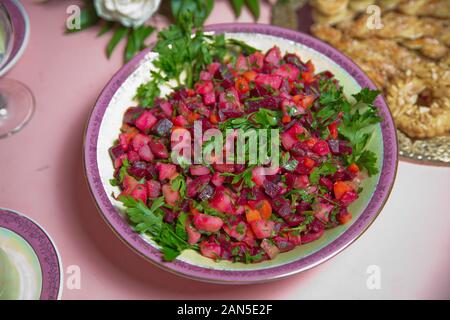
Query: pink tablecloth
<point x="41" y="175"/>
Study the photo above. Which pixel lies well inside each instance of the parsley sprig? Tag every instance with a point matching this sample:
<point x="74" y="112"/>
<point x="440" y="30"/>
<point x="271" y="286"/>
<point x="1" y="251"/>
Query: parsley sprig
<point x="357" y="120"/>
<point x="149" y="220"/>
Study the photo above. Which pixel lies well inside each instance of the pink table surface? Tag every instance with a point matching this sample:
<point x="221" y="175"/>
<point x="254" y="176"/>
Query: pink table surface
<point x="41" y="175"/>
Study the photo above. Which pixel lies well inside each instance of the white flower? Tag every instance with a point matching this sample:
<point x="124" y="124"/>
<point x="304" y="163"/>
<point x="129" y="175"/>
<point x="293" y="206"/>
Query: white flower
<point x="130" y="13"/>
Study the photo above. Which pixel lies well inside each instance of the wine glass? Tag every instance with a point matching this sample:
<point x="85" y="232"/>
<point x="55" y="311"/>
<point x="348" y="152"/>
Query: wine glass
<point x="16" y="100"/>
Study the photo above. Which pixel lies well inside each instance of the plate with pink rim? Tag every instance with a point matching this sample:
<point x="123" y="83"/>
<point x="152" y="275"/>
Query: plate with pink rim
<point x="15" y="39"/>
<point x="106" y="118"/>
<point x="30" y="267"/>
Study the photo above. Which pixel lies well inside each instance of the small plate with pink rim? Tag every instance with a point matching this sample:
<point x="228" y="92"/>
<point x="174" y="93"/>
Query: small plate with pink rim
<point x="30" y="267"/>
<point x="20" y="32"/>
<point x="106" y="118"/>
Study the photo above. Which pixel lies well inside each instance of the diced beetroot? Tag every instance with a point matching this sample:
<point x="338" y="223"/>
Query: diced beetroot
<point x="133" y="156"/>
<point x="196" y="185"/>
<point x="166" y="170"/>
<point x="301" y="182"/>
<point x="295" y="181"/>
<point x="267" y="102"/>
<point x="213" y="67"/>
<point x="129" y="184"/>
<point x="269" y="248"/>
<point x="206" y="193"/>
<point x="167" y="108"/>
<point x="258" y="177"/>
<point x="256" y="60"/>
<point x="222" y="201"/>
<point x="158" y="149"/>
<point x="207" y="223"/>
<point x="210" y="249"/>
<point x="349" y="197"/>
<point x="132" y="114"/>
<point x="249" y="238"/>
<point x="229" y="100"/>
<point x="140" y="193"/>
<point x="262" y="228"/>
<point x="282" y="207"/>
<point x="209" y="98"/>
<point x="146" y="121"/>
<point x="312" y="236"/>
<point x="119" y="161"/>
<point x="223" y="167"/>
<point x="124" y="141"/>
<point x="170" y="196"/>
<point x="199" y="170"/>
<point x="271" y="189"/>
<point x="193" y="235"/>
<point x="288" y="141"/>
<point x="238" y="231"/>
<point x="241" y="63"/>
<point x="116" y="152"/>
<point x="273" y="81"/>
<point x="153" y="189"/>
<point x="180" y="121"/>
<point x="289" y="138"/>
<point x="204" y="87"/>
<point x="295" y="238"/>
<point x="273" y="56"/>
<point x="321" y="148"/>
<point x="283" y="244"/>
<point x="139" y="170"/>
<point x="145" y="153"/>
<point x="139" y="141"/>
<point x="327" y="183"/>
<point x="288" y="71"/>
<point x="322" y="211"/>
<point x="205" y="75"/>
<point x="217" y="179"/>
<point x="163" y="128"/>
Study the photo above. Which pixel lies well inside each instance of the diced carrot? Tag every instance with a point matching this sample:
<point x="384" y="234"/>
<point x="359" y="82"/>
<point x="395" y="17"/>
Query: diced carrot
<point x="249" y="75"/>
<point x="192" y="209"/>
<point x="307" y="101"/>
<point x="311" y="142"/>
<point x="344" y="218"/>
<point x="333" y="130"/>
<point x="192" y="117"/>
<point x="353" y="168"/>
<point x="265" y="209"/>
<point x="286" y="118"/>
<point x="252" y="215"/>
<point x="308" y="162"/>
<point x="340" y="188"/>
<point x="213" y="118"/>
<point x="241" y="85"/>
<point x="296" y="98"/>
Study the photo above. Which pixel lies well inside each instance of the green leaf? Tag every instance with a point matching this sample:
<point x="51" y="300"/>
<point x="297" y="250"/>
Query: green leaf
<point x="124" y="169"/>
<point x="253" y="6"/>
<point x="200" y="10"/>
<point x="237" y="7"/>
<point x="179" y="184"/>
<point x="368" y="160"/>
<point x="325" y="169"/>
<point x="291" y="165"/>
<point x="147" y="92"/>
<point x="118" y="35"/>
<point x="180" y="228"/>
<point x="88" y="18"/>
<point x="107" y="26"/>
<point x="136" y="41"/>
